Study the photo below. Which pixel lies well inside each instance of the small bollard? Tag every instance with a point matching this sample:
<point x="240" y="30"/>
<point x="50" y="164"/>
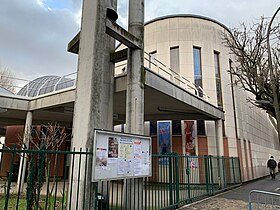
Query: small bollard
<point x="100" y="201"/>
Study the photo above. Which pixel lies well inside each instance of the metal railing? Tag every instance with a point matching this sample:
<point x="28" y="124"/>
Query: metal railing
<point x="263" y="200"/>
<point x="176" y="180"/>
<point x="163" y="70"/>
<point x="35" y="88"/>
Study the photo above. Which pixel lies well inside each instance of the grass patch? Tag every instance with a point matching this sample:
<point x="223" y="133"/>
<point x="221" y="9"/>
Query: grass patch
<point x="14" y="202"/>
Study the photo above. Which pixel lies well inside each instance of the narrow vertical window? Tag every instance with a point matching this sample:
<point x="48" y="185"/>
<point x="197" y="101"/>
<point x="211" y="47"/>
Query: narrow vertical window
<point x="233" y="99"/>
<point x="200" y="124"/>
<point x="198" y="82"/>
<point x="152" y="59"/>
<point x="197" y="69"/>
<point x="174" y="59"/>
<point x="218" y="80"/>
<point x="175" y="64"/>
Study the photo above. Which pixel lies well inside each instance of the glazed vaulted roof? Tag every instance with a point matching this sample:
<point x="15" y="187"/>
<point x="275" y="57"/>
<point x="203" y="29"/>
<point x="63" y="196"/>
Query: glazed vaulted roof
<point x="45" y="84"/>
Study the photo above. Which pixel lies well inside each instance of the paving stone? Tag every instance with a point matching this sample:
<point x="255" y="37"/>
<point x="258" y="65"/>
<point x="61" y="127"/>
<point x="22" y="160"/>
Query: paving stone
<point x="238" y="199"/>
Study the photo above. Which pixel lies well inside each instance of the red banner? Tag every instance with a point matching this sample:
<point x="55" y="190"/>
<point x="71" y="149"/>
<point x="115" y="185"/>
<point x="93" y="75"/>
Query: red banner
<point x="189" y="133"/>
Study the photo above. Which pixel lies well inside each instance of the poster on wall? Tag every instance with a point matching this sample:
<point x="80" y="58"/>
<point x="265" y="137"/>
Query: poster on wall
<point x="164" y="140"/>
<point x="120" y="155"/>
<point x="164" y="136"/>
<point x="189" y="134"/>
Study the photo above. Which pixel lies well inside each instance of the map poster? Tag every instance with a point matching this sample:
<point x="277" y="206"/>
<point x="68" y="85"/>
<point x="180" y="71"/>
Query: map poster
<point x="125" y="160"/>
<point x="120" y="155"/>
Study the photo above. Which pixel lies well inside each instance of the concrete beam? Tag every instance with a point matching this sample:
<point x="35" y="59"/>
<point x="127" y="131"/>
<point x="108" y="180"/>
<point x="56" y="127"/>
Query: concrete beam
<point x="119" y="56"/>
<point x="73" y="45"/>
<point x="122" y="35"/>
<point x="115" y="31"/>
<point x="14" y="102"/>
<point x="53" y="99"/>
<point x="163" y="85"/>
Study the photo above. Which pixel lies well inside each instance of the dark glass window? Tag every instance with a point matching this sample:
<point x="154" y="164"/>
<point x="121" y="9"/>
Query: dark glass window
<point x="176" y="127"/>
<point x="197" y="69"/>
<point x="218" y="80"/>
<point x="153" y="128"/>
<point x="224" y="129"/>
<point x="200" y="124"/>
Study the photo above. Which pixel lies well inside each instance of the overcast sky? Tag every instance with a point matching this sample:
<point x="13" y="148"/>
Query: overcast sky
<point x="34" y="33"/>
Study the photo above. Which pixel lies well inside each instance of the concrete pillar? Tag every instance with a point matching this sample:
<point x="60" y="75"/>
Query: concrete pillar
<point x="220" y="150"/>
<point x="219" y="137"/>
<point x="135" y="92"/>
<point x="23" y="160"/>
<point x="135" y="71"/>
<point x="94" y="93"/>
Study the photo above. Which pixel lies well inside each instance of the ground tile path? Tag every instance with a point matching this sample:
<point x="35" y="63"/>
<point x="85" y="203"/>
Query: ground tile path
<point x="238" y="199"/>
<point x="218" y="203"/>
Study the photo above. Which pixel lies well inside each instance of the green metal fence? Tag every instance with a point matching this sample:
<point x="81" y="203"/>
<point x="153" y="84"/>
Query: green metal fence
<point x="45" y="182"/>
<point x="48" y="183"/>
<point x="177" y="180"/>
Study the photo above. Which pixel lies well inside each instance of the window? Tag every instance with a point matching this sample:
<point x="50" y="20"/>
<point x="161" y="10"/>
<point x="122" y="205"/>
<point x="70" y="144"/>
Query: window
<point x="224" y="129"/>
<point x="153" y="128"/>
<point x="152" y="59"/>
<point x="176" y="127"/>
<point x="200" y="124"/>
<point x="175" y="64"/>
<point x="174" y="59"/>
<point x="197" y="69"/>
<point x="233" y="99"/>
<point x="218" y="80"/>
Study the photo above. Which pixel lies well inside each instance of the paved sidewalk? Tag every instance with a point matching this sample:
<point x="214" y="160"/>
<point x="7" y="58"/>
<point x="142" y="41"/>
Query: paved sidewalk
<point x="236" y="199"/>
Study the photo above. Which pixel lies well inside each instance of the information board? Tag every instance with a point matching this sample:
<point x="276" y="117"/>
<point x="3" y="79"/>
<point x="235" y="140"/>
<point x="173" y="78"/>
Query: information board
<point x="120" y="155"/>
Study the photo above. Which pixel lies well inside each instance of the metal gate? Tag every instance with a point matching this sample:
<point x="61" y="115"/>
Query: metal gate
<point x="262" y="200"/>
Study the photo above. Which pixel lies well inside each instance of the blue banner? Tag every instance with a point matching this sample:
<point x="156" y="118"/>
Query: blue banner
<point x="164" y="136"/>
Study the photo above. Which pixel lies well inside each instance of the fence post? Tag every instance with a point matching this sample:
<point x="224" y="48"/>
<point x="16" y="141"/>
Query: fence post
<point x="224" y="185"/>
<point x="219" y="172"/>
<point x="188" y="178"/>
<point x="40" y="166"/>
<point x="10" y="178"/>
<point x="170" y="179"/>
<point x="211" y="173"/>
<point x="205" y="158"/>
<point x="239" y="168"/>
<point x="232" y="160"/>
<point x="177" y="177"/>
<point x="30" y="191"/>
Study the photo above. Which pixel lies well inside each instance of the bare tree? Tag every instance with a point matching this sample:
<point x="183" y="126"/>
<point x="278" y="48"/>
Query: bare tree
<point x="252" y="69"/>
<point x="6" y="78"/>
<point x="50" y="137"/>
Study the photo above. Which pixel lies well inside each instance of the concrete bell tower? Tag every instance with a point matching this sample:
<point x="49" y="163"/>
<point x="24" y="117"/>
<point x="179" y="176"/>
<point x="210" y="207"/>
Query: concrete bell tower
<point x="95" y="81"/>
